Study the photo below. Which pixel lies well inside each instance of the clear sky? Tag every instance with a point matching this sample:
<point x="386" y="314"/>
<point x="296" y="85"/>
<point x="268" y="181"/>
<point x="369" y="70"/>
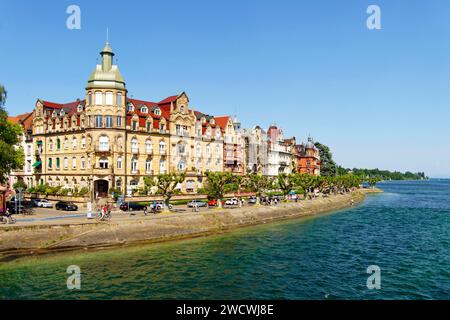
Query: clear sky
<point x="378" y="98"/>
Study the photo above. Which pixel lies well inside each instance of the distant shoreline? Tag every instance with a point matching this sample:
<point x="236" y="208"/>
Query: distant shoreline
<point x="19" y="241"/>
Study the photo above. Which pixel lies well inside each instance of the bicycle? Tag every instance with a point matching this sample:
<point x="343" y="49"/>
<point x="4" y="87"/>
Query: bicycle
<point x="107" y="216"/>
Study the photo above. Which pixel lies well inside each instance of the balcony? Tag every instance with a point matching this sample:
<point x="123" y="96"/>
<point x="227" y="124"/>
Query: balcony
<point x="102" y="171"/>
<point x="134" y="150"/>
<point x="149" y="172"/>
<point x="162" y="152"/>
<point x="135" y="171"/>
<point x="102" y="148"/>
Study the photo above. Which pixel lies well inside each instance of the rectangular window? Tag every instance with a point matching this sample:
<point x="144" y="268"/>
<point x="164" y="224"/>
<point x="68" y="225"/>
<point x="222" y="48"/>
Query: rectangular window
<point x="57" y="163"/>
<point x="99" y="98"/>
<point x="149" y="126"/>
<point x="98" y="121"/>
<point x="109" y="98"/>
<point x="135" y="125"/>
<point x="109" y="121"/>
<point x="50" y="163"/>
<point x="119" y="99"/>
<point x="119" y="121"/>
<point x="74" y="163"/>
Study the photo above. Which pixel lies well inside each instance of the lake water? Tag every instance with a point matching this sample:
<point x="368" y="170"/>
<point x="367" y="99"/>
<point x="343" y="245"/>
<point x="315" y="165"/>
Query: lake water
<point x="405" y="231"/>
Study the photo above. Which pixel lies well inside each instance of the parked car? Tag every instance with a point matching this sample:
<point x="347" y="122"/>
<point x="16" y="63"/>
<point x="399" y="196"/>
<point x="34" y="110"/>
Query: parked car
<point x="133" y="206"/>
<point x="192" y="203"/>
<point x="43" y="203"/>
<point x="232" y="202"/>
<point x="160" y="205"/>
<point x="252" y="199"/>
<point x="66" y="206"/>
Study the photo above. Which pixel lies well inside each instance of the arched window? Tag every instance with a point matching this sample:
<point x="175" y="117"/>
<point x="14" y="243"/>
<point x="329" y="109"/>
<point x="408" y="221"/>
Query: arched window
<point x="74" y="143"/>
<point x="181" y="165"/>
<point x="144" y="109"/>
<point x="162" y="166"/>
<point x="83" y="142"/>
<point x="148" y="165"/>
<point x="181" y="148"/>
<point x="134" y="165"/>
<point x="83" y="163"/>
<point x="119" y="99"/>
<point x="74" y="162"/>
<point x="208" y="151"/>
<point x="182" y="109"/>
<point x="58" y="144"/>
<point x="103" y="143"/>
<point x="198" y="150"/>
<point x="157" y="111"/>
<point x="134" y="145"/>
<point x="148" y="146"/>
<point x="109" y="98"/>
<point x="98" y="98"/>
<point x="162" y="147"/>
<point x="66" y="143"/>
<point x="90" y="98"/>
<point x="119" y="162"/>
<point x="50" y="144"/>
<point x="66" y="163"/>
<point x="103" y="163"/>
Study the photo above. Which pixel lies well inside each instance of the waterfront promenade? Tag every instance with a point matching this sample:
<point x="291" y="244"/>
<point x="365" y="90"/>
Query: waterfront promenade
<point x="77" y="232"/>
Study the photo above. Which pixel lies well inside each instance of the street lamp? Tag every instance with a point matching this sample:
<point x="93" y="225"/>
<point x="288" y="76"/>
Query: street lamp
<point x="20" y="189"/>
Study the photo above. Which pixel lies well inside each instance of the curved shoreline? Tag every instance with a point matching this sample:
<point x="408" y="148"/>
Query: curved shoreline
<point x="18" y="241"/>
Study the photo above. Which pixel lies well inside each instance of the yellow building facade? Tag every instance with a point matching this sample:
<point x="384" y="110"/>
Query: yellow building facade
<point x="109" y="140"/>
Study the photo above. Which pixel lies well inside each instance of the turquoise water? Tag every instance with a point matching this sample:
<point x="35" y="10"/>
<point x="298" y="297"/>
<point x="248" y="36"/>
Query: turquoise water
<point x="405" y="231"/>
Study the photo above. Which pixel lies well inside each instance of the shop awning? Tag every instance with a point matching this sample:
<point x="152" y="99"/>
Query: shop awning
<point x="37" y="163"/>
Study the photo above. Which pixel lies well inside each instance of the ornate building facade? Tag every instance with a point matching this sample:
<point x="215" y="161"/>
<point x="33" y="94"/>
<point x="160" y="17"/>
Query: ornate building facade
<point x="109" y="140"/>
<point x="307" y="158"/>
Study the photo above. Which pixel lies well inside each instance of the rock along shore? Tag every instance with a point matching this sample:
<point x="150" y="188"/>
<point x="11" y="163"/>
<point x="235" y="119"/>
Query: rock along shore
<point x="21" y="240"/>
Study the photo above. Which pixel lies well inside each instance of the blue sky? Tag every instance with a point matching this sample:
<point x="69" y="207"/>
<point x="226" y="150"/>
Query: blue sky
<point x="378" y="98"/>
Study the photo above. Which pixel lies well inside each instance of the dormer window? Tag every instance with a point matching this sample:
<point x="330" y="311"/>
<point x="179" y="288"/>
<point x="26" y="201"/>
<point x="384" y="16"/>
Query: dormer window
<point x="212" y="121"/>
<point x="62" y="113"/>
<point x="54" y="114"/>
<point x="157" y="111"/>
<point x="80" y="108"/>
<point x="130" y="107"/>
<point x="144" y="109"/>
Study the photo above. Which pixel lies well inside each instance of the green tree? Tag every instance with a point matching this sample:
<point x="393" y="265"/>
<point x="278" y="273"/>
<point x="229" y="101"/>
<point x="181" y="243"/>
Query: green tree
<point x="218" y="183"/>
<point x="166" y="184"/>
<point x="257" y="183"/>
<point x="20" y="184"/>
<point x="328" y="166"/>
<point x="11" y="156"/>
<point x="286" y="183"/>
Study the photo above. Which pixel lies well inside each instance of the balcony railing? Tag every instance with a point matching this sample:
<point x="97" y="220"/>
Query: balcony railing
<point x="100" y="148"/>
<point x="135" y="171"/>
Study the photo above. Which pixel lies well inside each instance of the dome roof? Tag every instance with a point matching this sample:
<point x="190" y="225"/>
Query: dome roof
<point x="106" y="75"/>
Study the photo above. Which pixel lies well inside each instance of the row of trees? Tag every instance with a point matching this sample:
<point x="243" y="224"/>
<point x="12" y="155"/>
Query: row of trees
<point x="218" y="184"/>
<point x="329" y="168"/>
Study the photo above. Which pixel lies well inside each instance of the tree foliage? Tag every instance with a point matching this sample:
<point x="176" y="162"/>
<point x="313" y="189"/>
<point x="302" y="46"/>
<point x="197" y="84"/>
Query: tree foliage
<point x="11" y="156"/>
<point x="328" y="167"/>
<point x="166" y="185"/>
<point x="218" y="183"/>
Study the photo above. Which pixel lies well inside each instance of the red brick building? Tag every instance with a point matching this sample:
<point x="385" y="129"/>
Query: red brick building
<point x="307" y="158"/>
